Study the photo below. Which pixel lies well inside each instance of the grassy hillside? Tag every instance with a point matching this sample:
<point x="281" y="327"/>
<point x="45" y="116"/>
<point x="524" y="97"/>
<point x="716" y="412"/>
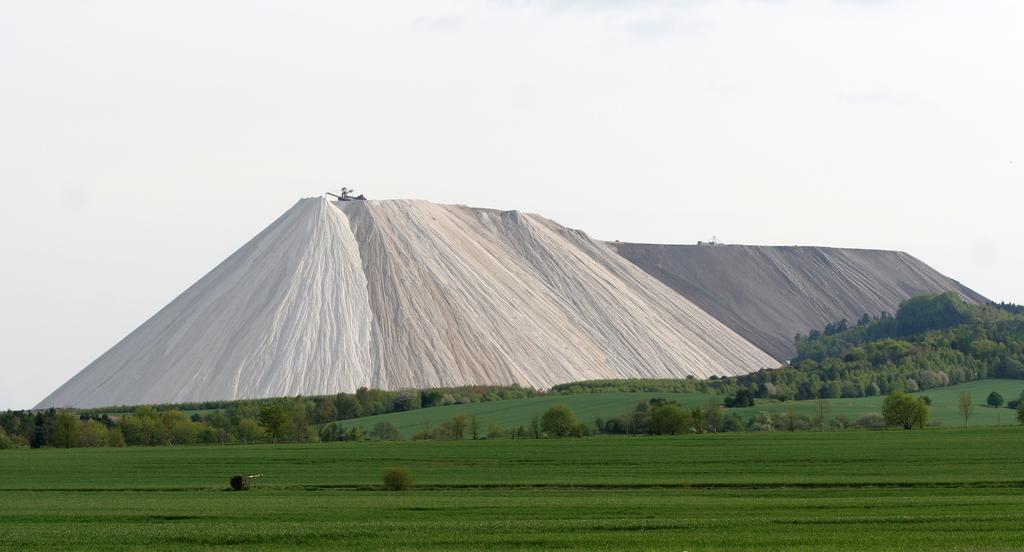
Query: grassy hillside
<point x="519" y="411"/>
<point x="948" y="489"/>
<point x="944" y="408"/>
<point x="609" y="405"/>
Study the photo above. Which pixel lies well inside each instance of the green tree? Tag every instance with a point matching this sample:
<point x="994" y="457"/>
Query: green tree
<point x="298" y="420"/>
<point x="274" y="418"/>
<point x="459" y="423"/>
<point x="354" y="433"/>
<point x="385" y="431"/>
<point x="115" y="438"/>
<point x="67" y="428"/>
<point x="903" y="410"/>
<point x="535" y="426"/>
<point x="699" y="419"/>
<point x="966" y="406"/>
<point x="474" y="427"/>
<point x="820" y="411"/>
<point x="668" y="419"/>
<point x="713" y="416"/>
<point x="92" y="434"/>
<point x="1020" y="413"/>
<point x="995" y="400"/>
<point x="347" y="407"/>
<point x="558" y="421"/>
<point x="247" y="430"/>
<point x="178" y="428"/>
<point x="325" y="411"/>
<point x="397" y="479"/>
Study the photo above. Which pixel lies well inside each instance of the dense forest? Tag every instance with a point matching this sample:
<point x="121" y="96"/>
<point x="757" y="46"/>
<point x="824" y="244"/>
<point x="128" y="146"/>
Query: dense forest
<point x="932" y="341"/>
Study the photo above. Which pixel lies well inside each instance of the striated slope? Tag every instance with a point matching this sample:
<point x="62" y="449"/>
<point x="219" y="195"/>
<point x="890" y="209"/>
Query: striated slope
<point x="287" y="313"/>
<point x="769" y="294"/>
<point x="471" y="295"/>
<point x="392" y="294"/>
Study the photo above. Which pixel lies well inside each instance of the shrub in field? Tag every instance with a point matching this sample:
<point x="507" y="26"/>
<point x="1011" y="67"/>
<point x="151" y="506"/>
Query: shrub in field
<point x="5" y="442"/>
<point x="668" y="419"/>
<point x="93" y="434"/>
<point x="68" y="427"/>
<point x="115" y="438"/>
<point x="900" y="409"/>
<point x="762" y="421"/>
<point x="870" y="421"/>
<point x="731" y="423"/>
<point x="386" y="431"/>
<point x="840" y="421"/>
<point x="495" y="432"/>
<point x="397" y="479"/>
<point x="558" y="421"/>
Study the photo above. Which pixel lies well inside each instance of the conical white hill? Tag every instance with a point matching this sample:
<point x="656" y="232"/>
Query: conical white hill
<point x="285" y="314"/>
<point x="393" y="294"/>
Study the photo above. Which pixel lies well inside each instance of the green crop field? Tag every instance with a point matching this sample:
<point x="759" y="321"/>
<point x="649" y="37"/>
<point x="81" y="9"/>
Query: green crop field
<point x="587" y="407"/>
<point x="937" y="489"/>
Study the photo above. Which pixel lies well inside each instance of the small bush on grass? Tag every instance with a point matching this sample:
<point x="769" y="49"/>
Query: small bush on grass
<point x="870" y="421"/>
<point x="397" y="479"/>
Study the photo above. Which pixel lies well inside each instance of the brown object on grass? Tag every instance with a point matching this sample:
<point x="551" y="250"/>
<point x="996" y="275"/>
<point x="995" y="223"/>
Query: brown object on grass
<point x="242" y="482"/>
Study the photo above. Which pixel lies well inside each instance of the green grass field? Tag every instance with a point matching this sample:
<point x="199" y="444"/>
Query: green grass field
<point x="937" y="489"/>
<point x="609" y="405"/>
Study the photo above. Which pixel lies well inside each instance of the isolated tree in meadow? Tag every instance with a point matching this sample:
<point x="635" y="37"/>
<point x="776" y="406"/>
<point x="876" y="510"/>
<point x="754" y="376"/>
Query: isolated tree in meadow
<point x="900" y="409"/>
<point x="966" y="406"/>
<point x="275" y="419"/>
<point x="397" y="479"/>
<point x="535" y="426"/>
<point x="639" y="419"/>
<point x="474" y="427"/>
<point x="668" y="419"/>
<point x="820" y="410"/>
<point x="713" y="415"/>
<point x="67" y="428"/>
<point x="459" y="423"/>
<point x="789" y="420"/>
<point x="1020" y="413"/>
<point x="558" y="421"/>
<point x="995" y="400"/>
<point x="699" y="419"/>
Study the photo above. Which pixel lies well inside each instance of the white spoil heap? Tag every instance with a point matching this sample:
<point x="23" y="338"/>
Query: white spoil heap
<point x="393" y="294"/>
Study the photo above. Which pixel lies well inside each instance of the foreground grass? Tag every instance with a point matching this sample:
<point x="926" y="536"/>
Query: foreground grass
<point x="947" y="489"/>
<point x="791" y="519"/>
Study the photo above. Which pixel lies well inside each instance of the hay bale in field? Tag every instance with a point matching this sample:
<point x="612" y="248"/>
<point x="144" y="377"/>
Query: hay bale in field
<point x="243" y="482"/>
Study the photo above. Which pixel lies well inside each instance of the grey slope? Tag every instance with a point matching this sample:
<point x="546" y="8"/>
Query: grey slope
<point x="394" y="294"/>
<point x="769" y="294"/>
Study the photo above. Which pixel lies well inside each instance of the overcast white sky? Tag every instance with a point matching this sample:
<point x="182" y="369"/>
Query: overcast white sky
<point x="142" y="142"/>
